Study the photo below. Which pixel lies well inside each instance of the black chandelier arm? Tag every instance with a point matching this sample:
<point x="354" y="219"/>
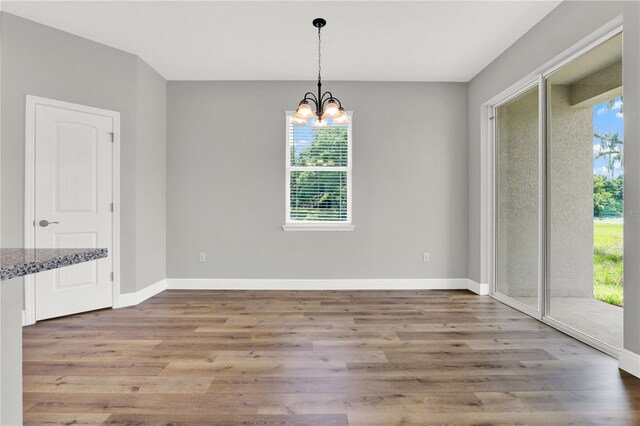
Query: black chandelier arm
<point x="310" y="97"/>
<point x="330" y="98"/>
<point x="325" y="98"/>
<point x="311" y="94"/>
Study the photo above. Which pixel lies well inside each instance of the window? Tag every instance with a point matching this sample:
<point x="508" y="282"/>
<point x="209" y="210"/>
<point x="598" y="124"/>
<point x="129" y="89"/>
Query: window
<point x="318" y="181"/>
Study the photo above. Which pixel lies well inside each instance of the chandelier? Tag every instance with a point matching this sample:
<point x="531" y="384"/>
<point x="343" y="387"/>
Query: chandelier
<point x="327" y="107"/>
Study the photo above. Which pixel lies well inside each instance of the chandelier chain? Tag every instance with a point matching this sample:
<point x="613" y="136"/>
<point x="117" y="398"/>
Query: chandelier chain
<point x="319" y="56"/>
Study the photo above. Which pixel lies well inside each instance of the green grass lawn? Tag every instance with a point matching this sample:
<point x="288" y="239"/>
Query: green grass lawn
<point x="607" y="262"/>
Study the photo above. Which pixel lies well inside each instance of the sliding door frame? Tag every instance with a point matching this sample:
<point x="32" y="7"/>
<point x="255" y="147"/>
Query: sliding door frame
<point x="539" y="79"/>
<point x="494" y="292"/>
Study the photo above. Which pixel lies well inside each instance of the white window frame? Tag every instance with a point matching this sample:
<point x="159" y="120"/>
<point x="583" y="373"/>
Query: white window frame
<point x="308" y="225"/>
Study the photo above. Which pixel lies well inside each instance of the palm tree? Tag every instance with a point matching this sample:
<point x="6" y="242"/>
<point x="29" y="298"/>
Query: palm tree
<point x="612" y="103"/>
<point x="610" y="149"/>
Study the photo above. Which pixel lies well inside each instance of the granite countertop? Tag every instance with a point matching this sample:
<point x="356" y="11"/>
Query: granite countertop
<point x="18" y="262"/>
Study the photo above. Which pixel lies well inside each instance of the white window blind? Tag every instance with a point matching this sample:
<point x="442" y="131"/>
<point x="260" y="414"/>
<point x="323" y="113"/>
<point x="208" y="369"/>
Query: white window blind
<point x="318" y="174"/>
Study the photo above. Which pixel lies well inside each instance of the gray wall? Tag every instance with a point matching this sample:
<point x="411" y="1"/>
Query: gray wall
<point x="151" y="176"/>
<point x="41" y="61"/>
<point x="226" y="176"/>
<point x="565" y="26"/>
<point x="11" y="352"/>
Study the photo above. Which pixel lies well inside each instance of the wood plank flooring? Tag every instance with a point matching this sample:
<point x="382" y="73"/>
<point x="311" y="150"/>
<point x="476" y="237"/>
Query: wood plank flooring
<point x="318" y="358"/>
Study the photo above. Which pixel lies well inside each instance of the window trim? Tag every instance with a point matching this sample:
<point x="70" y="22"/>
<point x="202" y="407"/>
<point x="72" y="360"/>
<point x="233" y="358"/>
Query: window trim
<point x="308" y="225"/>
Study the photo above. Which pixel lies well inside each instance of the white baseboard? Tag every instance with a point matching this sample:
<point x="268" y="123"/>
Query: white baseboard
<point x="478" y="288"/>
<point x="629" y="362"/>
<point x="131" y="299"/>
<point x="319" y="284"/>
<point x="126" y="299"/>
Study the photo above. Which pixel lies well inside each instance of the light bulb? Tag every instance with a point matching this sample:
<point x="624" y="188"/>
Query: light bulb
<point x="304" y="111"/>
<point x="319" y="124"/>
<point x="298" y="121"/>
<point x="342" y="117"/>
<point x="331" y="110"/>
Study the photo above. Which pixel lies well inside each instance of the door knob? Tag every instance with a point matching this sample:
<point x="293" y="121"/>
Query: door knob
<point x="44" y="223"/>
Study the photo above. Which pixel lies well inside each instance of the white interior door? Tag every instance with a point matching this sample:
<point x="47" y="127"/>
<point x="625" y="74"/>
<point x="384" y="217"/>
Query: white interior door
<point x="73" y="207"/>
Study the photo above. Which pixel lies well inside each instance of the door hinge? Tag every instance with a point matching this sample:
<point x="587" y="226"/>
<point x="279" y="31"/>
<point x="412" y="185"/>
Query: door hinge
<point x="112" y="276"/>
<point x="111" y="206"/>
<point x="113" y="136"/>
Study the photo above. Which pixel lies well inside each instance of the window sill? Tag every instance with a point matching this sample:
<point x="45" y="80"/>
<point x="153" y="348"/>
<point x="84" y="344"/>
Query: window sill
<point x="317" y="227"/>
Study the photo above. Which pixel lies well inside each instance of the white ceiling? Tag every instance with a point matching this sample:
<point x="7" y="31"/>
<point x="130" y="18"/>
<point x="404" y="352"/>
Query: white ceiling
<point x="264" y="40"/>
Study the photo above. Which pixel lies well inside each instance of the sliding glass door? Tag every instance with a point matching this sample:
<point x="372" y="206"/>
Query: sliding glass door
<point x="517" y="208"/>
<point x="585" y="132"/>
<point x="558" y="187"/>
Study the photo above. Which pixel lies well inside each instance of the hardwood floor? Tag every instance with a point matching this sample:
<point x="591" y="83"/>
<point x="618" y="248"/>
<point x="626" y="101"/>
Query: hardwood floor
<point x="318" y="358"/>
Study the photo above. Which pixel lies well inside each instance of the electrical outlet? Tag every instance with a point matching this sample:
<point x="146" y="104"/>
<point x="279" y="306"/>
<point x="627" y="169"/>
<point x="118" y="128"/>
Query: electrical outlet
<point x="425" y="257"/>
<point x="202" y="257"/>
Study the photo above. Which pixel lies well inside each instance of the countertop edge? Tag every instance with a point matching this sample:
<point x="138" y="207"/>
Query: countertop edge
<point x="23" y="269"/>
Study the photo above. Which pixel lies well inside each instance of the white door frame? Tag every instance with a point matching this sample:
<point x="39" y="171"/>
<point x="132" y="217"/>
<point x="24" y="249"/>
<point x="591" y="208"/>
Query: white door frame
<point x="29" y="194"/>
<point x="538" y="311"/>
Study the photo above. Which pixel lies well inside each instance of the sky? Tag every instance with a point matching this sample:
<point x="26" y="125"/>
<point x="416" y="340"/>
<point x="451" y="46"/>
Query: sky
<point x="302" y="138"/>
<point x="606" y="120"/>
